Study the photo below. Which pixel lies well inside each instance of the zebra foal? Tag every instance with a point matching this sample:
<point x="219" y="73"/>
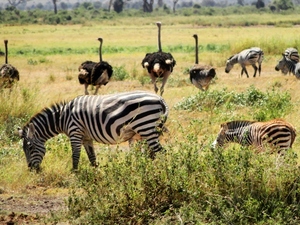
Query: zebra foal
<point x="245" y="58"/>
<point x="277" y="133"/>
<point x="108" y="119"/>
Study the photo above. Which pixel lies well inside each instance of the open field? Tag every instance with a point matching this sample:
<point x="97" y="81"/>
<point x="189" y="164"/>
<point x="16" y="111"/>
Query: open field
<point x="47" y="58"/>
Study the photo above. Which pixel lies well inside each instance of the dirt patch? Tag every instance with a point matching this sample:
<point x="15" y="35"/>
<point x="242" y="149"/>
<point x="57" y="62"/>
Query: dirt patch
<point x="29" y="208"/>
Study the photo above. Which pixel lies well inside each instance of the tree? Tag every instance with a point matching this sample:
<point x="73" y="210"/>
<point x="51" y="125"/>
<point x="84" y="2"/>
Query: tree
<point x="55" y="6"/>
<point x="148" y="7"/>
<point x="240" y="2"/>
<point x="109" y="5"/>
<point x="14" y="3"/>
<point x="174" y="5"/>
<point x="260" y="4"/>
<point x="284" y="4"/>
<point x="160" y="3"/>
<point x="118" y="5"/>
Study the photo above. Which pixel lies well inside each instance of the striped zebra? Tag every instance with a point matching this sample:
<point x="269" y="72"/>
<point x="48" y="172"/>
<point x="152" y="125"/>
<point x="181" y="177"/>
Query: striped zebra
<point x="108" y="119"/>
<point x="292" y="54"/>
<point x="245" y="58"/>
<point x="276" y="133"/>
<point x="286" y="65"/>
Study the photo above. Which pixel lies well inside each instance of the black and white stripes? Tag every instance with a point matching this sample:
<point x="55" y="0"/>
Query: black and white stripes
<point x="246" y="57"/>
<point x="277" y="133"/>
<point x="108" y="119"/>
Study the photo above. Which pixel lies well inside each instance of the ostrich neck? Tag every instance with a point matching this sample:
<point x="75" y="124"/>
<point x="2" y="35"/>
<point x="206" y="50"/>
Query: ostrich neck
<point x="159" y="40"/>
<point x="100" y="51"/>
<point x="196" y="51"/>
<point x="6" y="52"/>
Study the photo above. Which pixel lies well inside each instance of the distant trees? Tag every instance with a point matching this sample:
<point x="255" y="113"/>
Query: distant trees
<point x="260" y="4"/>
<point x="55" y="6"/>
<point x="148" y="6"/>
<point x="283" y="4"/>
<point x="14" y="3"/>
<point x="118" y="5"/>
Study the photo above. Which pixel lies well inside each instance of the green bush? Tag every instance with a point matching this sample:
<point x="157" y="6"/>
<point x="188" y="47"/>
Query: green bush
<point x="188" y="187"/>
<point x="262" y="105"/>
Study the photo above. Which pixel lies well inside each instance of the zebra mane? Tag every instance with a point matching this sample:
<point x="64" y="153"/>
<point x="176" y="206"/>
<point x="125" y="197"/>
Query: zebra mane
<point x="47" y="111"/>
<point x="238" y="123"/>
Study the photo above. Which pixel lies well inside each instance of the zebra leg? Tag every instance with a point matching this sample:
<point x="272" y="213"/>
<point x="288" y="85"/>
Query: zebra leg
<point x="246" y="72"/>
<point x="255" y="70"/>
<point x="259" y="68"/>
<point x="153" y="144"/>
<point x="89" y="148"/>
<point x="76" y="143"/>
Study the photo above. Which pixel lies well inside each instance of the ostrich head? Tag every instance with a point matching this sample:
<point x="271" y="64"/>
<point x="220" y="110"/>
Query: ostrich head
<point x="159" y="41"/>
<point x="196" y="48"/>
<point x="100" y="48"/>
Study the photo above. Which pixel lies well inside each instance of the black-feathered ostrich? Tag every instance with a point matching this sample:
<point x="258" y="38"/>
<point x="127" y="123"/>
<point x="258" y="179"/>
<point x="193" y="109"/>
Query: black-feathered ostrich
<point x="8" y="73"/>
<point x="200" y="75"/>
<point x="95" y="73"/>
<point x="159" y="64"/>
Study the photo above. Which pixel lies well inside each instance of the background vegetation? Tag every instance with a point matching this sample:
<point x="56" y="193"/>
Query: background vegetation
<point x="190" y="184"/>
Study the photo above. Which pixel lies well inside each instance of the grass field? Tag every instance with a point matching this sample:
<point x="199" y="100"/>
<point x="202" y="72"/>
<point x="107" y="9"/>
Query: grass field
<point x="48" y="57"/>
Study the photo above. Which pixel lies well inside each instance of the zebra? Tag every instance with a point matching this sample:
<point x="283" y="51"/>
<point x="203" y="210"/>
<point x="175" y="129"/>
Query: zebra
<point x="246" y="57"/>
<point x="292" y="54"/>
<point x="108" y="119"/>
<point x="276" y="133"/>
<point x="286" y="65"/>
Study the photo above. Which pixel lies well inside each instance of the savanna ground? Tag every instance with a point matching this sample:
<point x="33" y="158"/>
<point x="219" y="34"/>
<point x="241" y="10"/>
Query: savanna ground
<point x="47" y="58"/>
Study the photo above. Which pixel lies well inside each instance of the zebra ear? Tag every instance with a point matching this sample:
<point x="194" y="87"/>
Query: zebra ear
<point x="31" y="131"/>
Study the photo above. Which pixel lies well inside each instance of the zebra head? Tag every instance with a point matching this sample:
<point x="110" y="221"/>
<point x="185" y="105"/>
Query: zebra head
<point x="221" y="138"/>
<point x="33" y="148"/>
<point x="282" y="65"/>
<point x="229" y="64"/>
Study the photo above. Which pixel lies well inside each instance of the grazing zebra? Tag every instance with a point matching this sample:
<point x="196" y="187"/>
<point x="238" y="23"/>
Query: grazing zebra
<point x="292" y="54"/>
<point x="108" y="119"/>
<point x="287" y="65"/>
<point x="275" y="133"/>
<point x="244" y="58"/>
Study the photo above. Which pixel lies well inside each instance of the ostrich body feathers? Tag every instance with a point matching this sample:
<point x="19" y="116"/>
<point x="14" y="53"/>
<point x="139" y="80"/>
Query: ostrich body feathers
<point x="8" y="76"/>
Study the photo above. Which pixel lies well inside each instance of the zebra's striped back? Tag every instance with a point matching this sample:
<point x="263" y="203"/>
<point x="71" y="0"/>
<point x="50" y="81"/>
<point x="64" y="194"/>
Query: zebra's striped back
<point x="246" y="57"/>
<point x="108" y="119"/>
<point x="275" y="133"/>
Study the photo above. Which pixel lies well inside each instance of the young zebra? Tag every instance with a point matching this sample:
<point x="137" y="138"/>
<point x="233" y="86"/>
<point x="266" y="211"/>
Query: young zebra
<point x="287" y="65"/>
<point x="244" y="58"/>
<point x="276" y="133"/>
<point x="108" y="119"/>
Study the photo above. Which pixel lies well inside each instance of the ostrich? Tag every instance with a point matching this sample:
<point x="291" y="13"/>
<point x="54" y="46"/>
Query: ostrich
<point x="93" y="73"/>
<point x="201" y="76"/>
<point x="8" y="73"/>
<point x="159" y="64"/>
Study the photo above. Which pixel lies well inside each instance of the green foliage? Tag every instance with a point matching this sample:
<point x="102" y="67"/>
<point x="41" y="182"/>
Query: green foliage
<point x="188" y="187"/>
<point x="262" y="105"/>
<point x="120" y="73"/>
